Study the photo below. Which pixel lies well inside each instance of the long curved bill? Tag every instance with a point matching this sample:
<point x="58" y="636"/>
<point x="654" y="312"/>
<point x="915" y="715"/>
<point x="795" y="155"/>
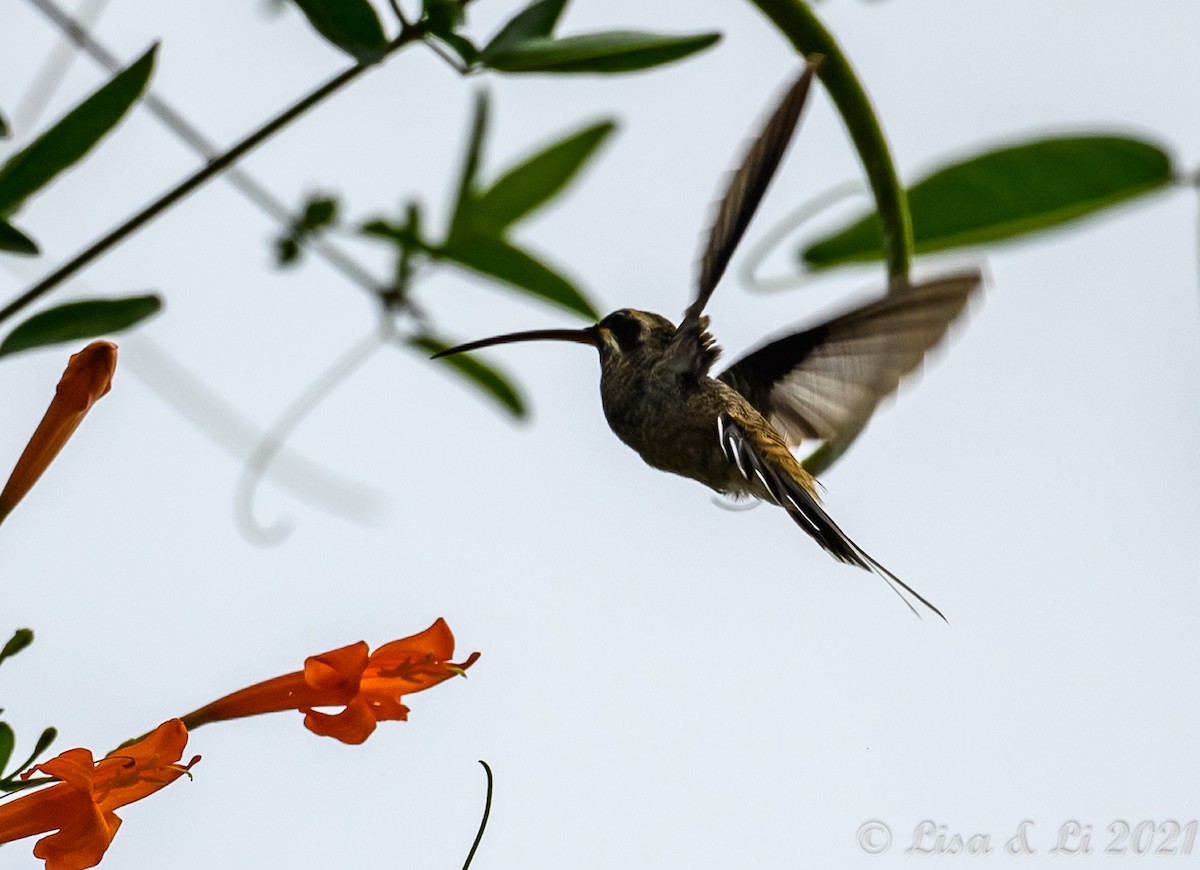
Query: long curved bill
<point x="579" y="336"/>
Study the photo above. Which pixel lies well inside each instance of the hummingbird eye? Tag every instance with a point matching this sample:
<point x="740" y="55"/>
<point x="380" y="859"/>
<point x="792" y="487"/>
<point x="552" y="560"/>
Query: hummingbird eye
<point x="626" y="329"/>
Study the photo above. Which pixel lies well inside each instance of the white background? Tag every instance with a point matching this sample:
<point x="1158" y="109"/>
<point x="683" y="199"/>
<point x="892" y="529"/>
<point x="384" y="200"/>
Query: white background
<point x="663" y="683"/>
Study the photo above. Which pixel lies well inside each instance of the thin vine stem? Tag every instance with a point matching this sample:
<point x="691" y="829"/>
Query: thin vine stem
<point x="276" y="437"/>
<point x="805" y="31"/>
<point x="202" y="175"/>
<point x="487" y="811"/>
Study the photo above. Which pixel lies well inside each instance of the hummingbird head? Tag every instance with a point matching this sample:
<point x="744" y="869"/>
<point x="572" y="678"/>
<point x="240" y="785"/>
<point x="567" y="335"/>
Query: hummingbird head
<point x="625" y="337"/>
<point x="629" y="337"/>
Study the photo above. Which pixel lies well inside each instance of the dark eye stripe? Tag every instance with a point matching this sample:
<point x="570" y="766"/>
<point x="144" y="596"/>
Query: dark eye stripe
<point x="626" y="328"/>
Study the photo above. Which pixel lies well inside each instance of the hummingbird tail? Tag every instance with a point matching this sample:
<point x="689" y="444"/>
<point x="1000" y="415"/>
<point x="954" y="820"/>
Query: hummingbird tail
<point x="802" y="506"/>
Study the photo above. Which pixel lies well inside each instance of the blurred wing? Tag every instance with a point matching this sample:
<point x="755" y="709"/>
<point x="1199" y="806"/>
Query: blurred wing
<point x="825" y="380"/>
<point x="746" y="189"/>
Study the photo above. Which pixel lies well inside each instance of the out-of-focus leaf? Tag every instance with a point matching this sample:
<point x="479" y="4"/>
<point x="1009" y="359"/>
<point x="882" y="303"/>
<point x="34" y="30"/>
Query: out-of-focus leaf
<point x="287" y="251"/>
<point x="537" y="179"/>
<point x="483" y="376"/>
<point x="537" y="19"/>
<point x="383" y="229"/>
<point x="320" y="210"/>
<point x="464" y="198"/>
<point x="21" y="638"/>
<point x="5" y="131"/>
<point x="7" y="741"/>
<point x="442" y="17"/>
<point x="350" y="25"/>
<point x="498" y="259"/>
<point x="35" y="165"/>
<point x="462" y="46"/>
<point x="76" y="320"/>
<point x="1009" y="192"/>
<point x="608" y="52"/>
<point x="16" y="242"/>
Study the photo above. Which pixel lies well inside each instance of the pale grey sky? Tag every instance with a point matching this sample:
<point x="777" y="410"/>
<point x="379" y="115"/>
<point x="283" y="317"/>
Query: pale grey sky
<point x="663" y="683"/>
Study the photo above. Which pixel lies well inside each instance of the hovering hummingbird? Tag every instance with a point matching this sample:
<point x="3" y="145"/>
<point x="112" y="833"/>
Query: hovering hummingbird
<point x="735" y="433"/>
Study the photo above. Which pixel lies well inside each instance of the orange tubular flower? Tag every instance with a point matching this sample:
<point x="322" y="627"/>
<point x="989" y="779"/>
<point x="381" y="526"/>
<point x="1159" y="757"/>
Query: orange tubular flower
<point x="80" y="808"/>
<point x="368" y="686"/>
<point x="87" y="378"/>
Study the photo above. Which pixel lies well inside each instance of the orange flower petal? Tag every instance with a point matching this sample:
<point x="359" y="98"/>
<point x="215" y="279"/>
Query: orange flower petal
<point x="353" y="725"/>
<point x="338" y="669"/>
<point x="436" y="641"/>
<point x="368" y="687"/>
<point x="87" y="378"/>
<point x="80" y="809"/>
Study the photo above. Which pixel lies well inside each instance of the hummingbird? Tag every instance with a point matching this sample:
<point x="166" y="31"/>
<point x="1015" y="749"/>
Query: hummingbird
<point x="735" y="433"/>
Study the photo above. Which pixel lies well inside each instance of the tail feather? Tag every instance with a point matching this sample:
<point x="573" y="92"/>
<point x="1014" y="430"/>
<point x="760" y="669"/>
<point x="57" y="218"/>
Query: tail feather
<point x="803" y="507"/>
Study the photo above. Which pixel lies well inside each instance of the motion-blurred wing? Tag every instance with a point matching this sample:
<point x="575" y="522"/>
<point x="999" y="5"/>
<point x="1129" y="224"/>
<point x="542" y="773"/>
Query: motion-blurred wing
<point x="746" y="189"/>
<point x="825" y="380"/>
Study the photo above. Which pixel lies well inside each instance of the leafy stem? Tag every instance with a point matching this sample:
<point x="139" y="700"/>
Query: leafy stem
<point x="213" y="167"/>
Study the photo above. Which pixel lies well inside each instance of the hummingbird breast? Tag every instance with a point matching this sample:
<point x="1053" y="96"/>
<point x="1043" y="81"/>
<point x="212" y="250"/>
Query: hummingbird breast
<point x="673" y="427"/>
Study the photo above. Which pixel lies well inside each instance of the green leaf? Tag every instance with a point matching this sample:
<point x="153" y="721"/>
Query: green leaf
<point x="287" y="251"/>
<point x="1009" y="192"/>
<point x="8" y="740"/>
<point x="76" y="320"/>
<point x="320" y="210"/>
<point x="36" y="165"/>
<point x="537" y="19"/>
<point x="442" y="17"/>
<point x="617" y="51"/>
<point x="16" y="242"/>
<point x="5" y="132"/>
<point x="43" y="743"/>
<point x="498" y="259"/>
<point x="350" y="25"/>
<point x="461" y="46"/>
<point x="483" y="376"/>
<point x="464" y="199"/>
<point x="21" y="638"/>
<point x="537" y="179"/>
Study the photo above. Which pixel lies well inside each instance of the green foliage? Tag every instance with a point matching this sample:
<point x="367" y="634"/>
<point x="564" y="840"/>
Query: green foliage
<point x="499" y="259"/>
<point x="16" y="242"/>
<point x="10" y="782"/>
<point x="477" y="238"/>
<point x="617" y="51"/>
<point x="538" y="19"/>
<point x="533" y="182"/>
<point x="1009" y="192"/>
<point x="442" y="16"/>
<point x="483" y="376"/>
<point x="5" y="131"/>
<point x="526" y="44"/>
<point x="350" y="25"/>
<point x="8" y="742"/>
<point x="36" y="165"/>
<point x="77" y="320"/>
<point x="319" y="212"/>
<point x="21" y="638"/>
